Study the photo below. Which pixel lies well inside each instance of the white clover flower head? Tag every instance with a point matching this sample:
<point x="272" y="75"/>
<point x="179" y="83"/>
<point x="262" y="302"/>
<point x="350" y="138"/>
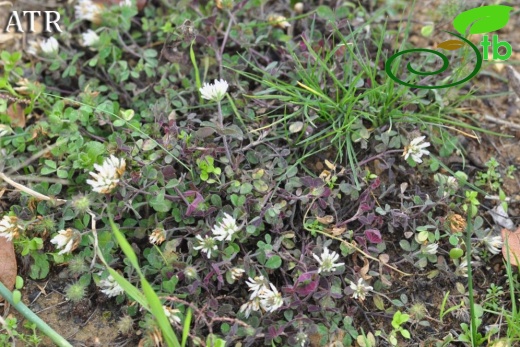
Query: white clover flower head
<point x="257" y="286"/>
<point x="206" y="245"/>
<point x="327" y="261"/>
<point x="88" y="10"/>
<point x="214" y="92"/>
<point x="270" y="299"/>
<point x="493" y="243"/>
<point x="252" y="305"/>
<point x="9" y="227"/>
<point x="416" y="149"/>
<point x="5" y="130"/>
<point x="110" y="287"/>
<point x="67" y="239"/>
<point x="279" y="21"/>
<point x="50" y="46"/>
<point x="360" y="289"/>
<point x="430" y="248"/>
<point x="237" y="272"/>
<point x="172" y="314"/>
<point x="225" y="229"/>
<point x="90" y="38"/>
<point x="108" y="177"/>
<point x="157" y="236"/>
<point x="462" y="269"/>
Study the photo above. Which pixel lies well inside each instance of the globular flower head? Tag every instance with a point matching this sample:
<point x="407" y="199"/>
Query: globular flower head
<point x="214" y="92"/>
<point x="225" y="229"/>
<point x="257" y="286"/>
<point x="416" y="149"/>
<point x="90" y="38"/>
<point x="206" y="245"/>
<point x="9" y="227"/>
<point x="493" y="243"/>
<point x="429" y="249"/>
<point x="172" y="314"/>
<point x="157" y="236"/>
<point x="67" y="239"/>
<point x="278" y="21"/>
<point x="110" y="287"/>
<point x="237" y="272"/>
<point x="360" y="289"/>
<point x="327" y="261"/>
<point x="271" y="299"/>
<point x="108" y="175"/>
<point x="88" y="10"/>
<point x="50" y="46"/>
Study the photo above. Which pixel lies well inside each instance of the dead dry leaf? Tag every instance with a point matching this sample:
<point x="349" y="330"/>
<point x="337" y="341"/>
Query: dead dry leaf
<point x="8" y="264"/>
<point x="16" y="114"/>
<point x="512" y="243"/>
<point x="451" y="45"/>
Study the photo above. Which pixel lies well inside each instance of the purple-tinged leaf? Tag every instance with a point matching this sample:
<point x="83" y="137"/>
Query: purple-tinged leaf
<point x="373" y="235"/>
<point x="306" y="289"/>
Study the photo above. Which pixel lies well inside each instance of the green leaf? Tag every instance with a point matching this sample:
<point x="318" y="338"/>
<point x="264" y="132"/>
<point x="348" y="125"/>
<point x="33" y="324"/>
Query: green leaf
<point x="482" y="20"/>
<point x="17" y="296"/>
<point x="456" y="253"/>
<point x="274" y="262"/>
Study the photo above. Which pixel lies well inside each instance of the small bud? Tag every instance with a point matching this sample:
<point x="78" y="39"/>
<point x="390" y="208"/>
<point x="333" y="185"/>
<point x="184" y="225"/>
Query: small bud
<point x="75" y="292"/>
<point x="81" y="204"/>
<point x="298" y="7"/>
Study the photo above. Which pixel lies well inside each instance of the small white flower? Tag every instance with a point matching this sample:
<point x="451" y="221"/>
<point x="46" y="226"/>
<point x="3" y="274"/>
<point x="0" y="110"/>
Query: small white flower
<point x="416" y="149"/>
<point x="65" y="239"/>
<point x="430" y="248"/>
<point x="50" y="46"/>
<point x="252" y="305"/>
<point x="90" y="38"/>
<point x="5" y="130"/>
<point x="360" y="289"/>
<point x="206" y="245"/>
<point x="327" y="261"/>
<point x="110" y="287"/>
<point x="108" y="177"/>
<point x="493" y="243"/>
<point x="157" y="236"/>
<point x="462" y="269"/>
<point x="9" y="227"/>
<point x="171" y="314"/>
<point x="237" y="273"/>
<point x="226" y="229"/>
<point x="125" y="3"/>
<point x="257" y="286"/>
<point x="271" y="299"/>
<point x="88" y="10"/>
<point x="214" y="92"/>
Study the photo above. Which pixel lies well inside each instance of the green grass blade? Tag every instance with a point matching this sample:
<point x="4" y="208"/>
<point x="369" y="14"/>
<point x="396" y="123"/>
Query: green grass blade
<point x="186" y="328"/>
<point x="158" y="312"/>
<point x="129" y="288"/>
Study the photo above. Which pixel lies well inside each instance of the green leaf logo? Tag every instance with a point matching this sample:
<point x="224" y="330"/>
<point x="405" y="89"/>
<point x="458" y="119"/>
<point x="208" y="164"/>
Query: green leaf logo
<point x="482" y="20"/>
